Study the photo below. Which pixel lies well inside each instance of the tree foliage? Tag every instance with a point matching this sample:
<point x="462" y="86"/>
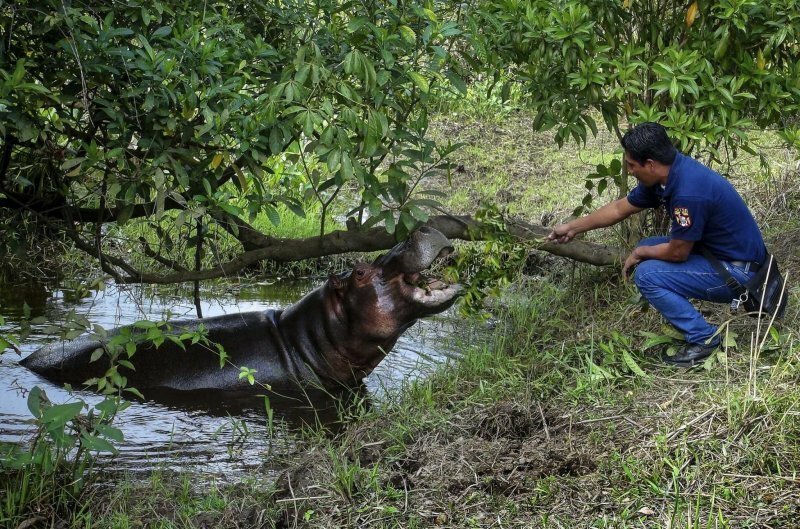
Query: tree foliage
<point x="712" y="72"/>
<point x="196" y="118"/>
<point x="205" y="125"/>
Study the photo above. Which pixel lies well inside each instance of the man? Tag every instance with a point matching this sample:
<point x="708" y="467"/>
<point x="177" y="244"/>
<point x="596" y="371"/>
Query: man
<point x="706" y="212"/>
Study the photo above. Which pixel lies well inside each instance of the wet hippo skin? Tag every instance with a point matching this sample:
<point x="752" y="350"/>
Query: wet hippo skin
<point x="332" y="337"/>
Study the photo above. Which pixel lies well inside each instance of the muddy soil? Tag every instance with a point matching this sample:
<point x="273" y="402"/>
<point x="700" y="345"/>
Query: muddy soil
<point x="523" y="456"/>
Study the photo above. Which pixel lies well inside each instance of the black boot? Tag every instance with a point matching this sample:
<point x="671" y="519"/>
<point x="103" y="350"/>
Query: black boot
<point x="691" y="354"/>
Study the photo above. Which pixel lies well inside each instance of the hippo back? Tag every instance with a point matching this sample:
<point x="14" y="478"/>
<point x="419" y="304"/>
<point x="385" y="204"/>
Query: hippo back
<point x="251" y="339"/>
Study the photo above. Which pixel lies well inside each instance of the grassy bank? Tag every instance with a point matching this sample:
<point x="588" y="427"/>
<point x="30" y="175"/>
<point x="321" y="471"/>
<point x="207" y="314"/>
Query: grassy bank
<point x="549" y="425"/>
<point x="563" y="416"/>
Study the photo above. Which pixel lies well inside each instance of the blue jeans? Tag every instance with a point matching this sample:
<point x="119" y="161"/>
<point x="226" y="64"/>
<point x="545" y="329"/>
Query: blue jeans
<point x="668" y="287"/>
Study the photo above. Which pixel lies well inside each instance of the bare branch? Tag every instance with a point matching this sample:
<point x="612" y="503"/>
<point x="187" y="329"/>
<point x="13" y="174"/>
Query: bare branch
<point x="376" y="239"/>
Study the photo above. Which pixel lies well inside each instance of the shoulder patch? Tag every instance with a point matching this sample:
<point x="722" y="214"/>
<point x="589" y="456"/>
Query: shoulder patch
<point x="682" y="217"/>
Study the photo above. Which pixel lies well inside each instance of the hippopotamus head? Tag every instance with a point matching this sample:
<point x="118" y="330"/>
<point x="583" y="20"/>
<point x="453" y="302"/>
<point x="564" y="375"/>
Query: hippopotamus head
<point x="370" y="306"/>
<point x="388" y="295"/>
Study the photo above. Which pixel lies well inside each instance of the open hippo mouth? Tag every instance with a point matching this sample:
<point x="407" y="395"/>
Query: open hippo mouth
<point x="432" y="291"/>
<point x="410" y="258"/>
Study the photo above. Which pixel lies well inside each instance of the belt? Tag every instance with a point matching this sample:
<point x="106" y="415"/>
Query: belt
<point x="747" y="266"/>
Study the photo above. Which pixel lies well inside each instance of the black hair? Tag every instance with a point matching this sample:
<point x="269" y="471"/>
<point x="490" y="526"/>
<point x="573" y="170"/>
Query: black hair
<point x="649" y="141"/>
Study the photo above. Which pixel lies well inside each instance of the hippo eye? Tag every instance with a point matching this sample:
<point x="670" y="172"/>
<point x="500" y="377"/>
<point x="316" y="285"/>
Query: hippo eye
<point x="360" y="272"/>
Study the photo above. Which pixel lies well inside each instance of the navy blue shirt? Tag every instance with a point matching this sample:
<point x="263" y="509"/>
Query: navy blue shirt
<point x="705" y="209"/>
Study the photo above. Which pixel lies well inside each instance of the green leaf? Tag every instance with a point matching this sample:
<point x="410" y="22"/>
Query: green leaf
<point x="272" y="214"/>
<point x="356" y="24"/>
<point x="371" y="137"/>
<point x="389" y="221"/>
<point x="352" y="63"/>
<point x="177" y="341"/>
<point x="346" y="167"/>
<point x="419" y="80"/>
<point x="632" y="365"/>
<point x="418" y="214"/>
<point x="19" y="72"/>
<point x="408" y="34"/>
<point x="124" y="214"/>
<point x="163" y="31"/>
<point x="72" y="163"/>
<point x="134" y="391"/>
<point x="457" y="82"/>
<point x="108" y="431"/>
<point x="655" y="339"/>
<point x="35" y="399"/>
<point x="275" y="140"/>
<point x="150" y="53"/>
<point x="59" y="414"/>
<point x="126" y="363"/>
<point x="334" y="158"/>
<point x="241" y="180"/>
<point x="97" y="444"/>
<point x="96" y="354"/>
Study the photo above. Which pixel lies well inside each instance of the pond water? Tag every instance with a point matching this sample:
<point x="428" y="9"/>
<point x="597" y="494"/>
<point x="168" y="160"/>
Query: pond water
<point x="196" y="432"/>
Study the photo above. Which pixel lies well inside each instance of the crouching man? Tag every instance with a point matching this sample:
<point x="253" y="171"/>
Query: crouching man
<point x="706" y="212"/>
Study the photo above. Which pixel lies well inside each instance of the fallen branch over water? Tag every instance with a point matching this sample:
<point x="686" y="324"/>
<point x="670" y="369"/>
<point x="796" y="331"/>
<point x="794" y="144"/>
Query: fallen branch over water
<point x="376" y="239"/>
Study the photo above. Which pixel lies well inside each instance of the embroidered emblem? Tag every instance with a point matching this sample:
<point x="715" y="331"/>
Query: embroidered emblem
<point x="682" y="217"/>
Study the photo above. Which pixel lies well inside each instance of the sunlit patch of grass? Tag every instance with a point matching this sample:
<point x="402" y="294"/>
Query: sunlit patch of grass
<point x="174" y="243"/>
<point x="293" y="226"/>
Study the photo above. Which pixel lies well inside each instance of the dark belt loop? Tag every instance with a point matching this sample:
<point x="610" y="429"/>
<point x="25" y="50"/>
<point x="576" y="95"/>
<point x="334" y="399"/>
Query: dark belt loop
<point x="733" y="284"/>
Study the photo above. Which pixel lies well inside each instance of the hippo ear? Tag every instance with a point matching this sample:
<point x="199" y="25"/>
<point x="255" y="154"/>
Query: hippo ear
<point x="337" y="281"/>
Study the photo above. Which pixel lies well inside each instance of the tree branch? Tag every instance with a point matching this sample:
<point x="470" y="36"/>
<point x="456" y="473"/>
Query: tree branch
<point x="376" y="239"/>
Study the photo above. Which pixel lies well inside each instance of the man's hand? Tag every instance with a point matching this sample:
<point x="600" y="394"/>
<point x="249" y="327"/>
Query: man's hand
<point x="562" y="234"/>
<point x="630" y="263"/>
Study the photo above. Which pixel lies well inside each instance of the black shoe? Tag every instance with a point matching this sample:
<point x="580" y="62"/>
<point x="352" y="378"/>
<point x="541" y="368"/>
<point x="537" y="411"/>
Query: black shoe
<point x="691" y="354"/>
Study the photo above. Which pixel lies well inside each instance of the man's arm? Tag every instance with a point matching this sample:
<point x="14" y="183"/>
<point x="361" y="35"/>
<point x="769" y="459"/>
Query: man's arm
<point x="676" y="251"/>
<point x="611" y="213"/>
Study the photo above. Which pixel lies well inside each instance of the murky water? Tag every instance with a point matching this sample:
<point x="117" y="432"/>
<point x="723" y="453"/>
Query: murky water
<point x="200" y="432"/>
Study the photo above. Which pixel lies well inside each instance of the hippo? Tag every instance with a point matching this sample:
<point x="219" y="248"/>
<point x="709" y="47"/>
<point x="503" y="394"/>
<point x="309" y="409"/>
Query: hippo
<point x="332" y="338"/>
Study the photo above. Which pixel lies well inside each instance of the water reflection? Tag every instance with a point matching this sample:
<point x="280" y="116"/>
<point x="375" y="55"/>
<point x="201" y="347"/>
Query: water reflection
<point x="198" y="430"/>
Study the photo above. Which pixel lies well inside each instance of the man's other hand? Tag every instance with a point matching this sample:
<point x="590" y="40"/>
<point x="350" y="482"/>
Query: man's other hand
<point x="630" y="264"/>
<point x="561" y="234"/>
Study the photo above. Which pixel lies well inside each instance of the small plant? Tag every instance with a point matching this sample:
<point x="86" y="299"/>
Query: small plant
<point x="58" y="463"/>
<point x="617" y="361"/>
